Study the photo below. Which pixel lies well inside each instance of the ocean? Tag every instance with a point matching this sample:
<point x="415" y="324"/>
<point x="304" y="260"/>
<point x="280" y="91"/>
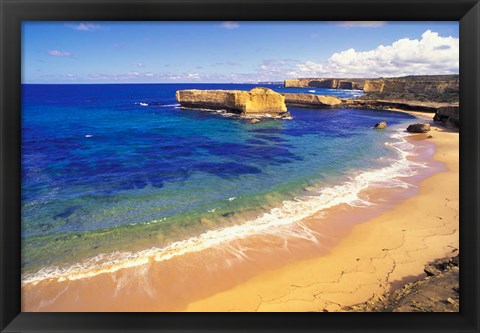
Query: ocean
<point x="119" y="173"/>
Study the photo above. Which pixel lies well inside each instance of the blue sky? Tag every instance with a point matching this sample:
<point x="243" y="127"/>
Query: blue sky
<point x="137" y="52"/>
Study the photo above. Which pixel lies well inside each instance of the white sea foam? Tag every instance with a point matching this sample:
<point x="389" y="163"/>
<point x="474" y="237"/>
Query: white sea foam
<point x="222" y="112"/>
<point x="230" y="114"/>
<point x="285" y="221"/>
<point x="169" y="105"/>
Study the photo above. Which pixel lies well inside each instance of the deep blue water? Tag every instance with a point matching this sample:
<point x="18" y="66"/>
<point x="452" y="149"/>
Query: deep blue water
<point x="101" y="172"/>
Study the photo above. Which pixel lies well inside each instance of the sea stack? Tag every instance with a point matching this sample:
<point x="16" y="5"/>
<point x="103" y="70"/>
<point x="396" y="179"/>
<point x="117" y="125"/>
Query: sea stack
<point x="256" y="102"/>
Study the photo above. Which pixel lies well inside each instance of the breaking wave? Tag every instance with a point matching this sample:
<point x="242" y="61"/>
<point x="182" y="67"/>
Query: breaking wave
<point x="285" y="219"/>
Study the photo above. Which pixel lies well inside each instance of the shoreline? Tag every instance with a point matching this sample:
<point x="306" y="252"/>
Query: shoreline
<point x="193" y="294"/>
<point x="378" y="256"/>
<point x="274" y="213"/>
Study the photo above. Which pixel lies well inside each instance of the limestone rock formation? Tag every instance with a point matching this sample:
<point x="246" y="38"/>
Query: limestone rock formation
<point x="418" y="84"/>
<point x="392" y="104"/>
<point x="258" y="101"/>
<point x="381" y="125"/>
<point x="373" y="86"/>
<point x="418" y="128"/>
<point x="311" y="100"/>
<point x="329" y="83"/>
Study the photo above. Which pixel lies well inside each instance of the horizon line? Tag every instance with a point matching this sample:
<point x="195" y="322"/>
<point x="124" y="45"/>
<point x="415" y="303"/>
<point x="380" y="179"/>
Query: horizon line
<point x="72" y="83"/>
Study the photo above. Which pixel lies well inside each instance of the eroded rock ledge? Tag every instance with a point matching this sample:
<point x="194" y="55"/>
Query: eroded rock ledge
<point x="311" y="100"/>
<point x="446" y="112"/>
<point x="439" y="291"/>
<point x="256" y="102"/>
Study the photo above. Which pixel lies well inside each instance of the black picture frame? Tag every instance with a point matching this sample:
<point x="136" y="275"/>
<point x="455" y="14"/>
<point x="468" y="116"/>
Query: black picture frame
<point x="13" y="12"/>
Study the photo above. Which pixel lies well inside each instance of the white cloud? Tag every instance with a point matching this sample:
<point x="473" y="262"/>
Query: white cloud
<point x="57" y="53"/>
<point x="361" y="24"/>
<point x="86" y="26"/>
<point x="432" y="54"/>
<point x="194" y="76"/>
<point x="230" y="25"/>
<point x="140" y="65"/>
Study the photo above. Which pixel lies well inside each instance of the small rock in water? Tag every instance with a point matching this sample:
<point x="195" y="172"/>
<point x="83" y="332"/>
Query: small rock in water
<point x="418" y="128"/>
<point x="254" y="120"/>
<point x="381" y="125"/>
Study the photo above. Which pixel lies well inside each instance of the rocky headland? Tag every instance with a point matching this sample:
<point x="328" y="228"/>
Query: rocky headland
<point x="256" y="102"/>
<point x="438" y="94"/>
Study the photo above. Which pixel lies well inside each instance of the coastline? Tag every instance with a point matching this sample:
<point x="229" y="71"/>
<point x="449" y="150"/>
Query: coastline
<point x="203" y="286"/>
<point x="261" y="178"/>
<point x="376" y="257"/>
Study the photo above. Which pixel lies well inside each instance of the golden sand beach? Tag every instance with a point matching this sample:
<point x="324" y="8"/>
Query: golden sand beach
<point x="377" y="256"/>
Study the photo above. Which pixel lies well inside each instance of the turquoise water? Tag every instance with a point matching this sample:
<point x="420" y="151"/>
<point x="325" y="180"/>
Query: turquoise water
<point x="122" y="168"/>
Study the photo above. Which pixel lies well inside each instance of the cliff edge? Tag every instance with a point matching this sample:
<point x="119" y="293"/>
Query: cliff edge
<point x="417" y="84"/>
<point x="329" y="83"/>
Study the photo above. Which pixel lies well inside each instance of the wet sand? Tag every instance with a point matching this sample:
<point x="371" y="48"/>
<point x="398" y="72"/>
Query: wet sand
<point x="340" y="257"/>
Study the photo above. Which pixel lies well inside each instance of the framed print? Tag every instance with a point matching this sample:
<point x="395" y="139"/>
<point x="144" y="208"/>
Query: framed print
<point x="239" y="166"/>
